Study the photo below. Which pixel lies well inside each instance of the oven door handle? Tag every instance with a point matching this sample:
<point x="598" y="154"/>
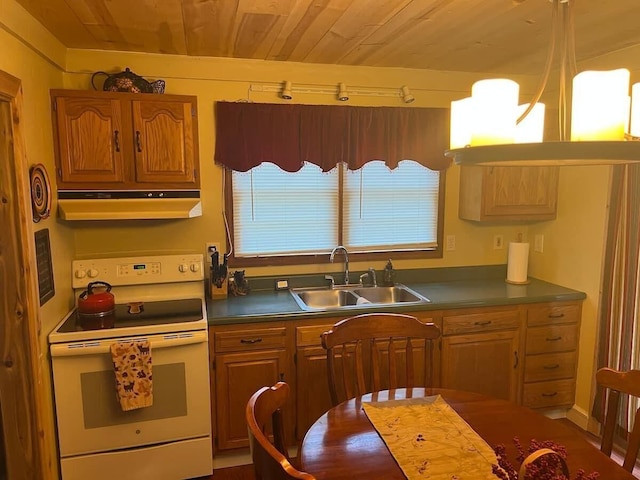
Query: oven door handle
<point x="103" y="346"/>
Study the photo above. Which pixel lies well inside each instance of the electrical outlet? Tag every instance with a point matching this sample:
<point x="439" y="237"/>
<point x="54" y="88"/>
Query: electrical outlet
<point x="538" y="244"/>
<point x="211" y="247"/>
<point x="451" y="242"/>
<point x="498" y="242"/>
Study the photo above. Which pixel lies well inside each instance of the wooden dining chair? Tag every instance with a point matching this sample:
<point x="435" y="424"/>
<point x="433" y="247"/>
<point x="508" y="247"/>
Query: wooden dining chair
<point x="378" y="351"/>
<point x="618" y="384"/>
<point x="270" y="460"/>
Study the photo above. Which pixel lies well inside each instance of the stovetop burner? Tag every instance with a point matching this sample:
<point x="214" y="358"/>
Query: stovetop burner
<point x="135" y="314"/>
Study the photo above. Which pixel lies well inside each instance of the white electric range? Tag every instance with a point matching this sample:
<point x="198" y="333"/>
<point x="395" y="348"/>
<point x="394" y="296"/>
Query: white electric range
<point x="172" y="438"/>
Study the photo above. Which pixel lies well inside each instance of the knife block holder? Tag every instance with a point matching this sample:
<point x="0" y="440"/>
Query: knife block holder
<point x="218" y="293"/>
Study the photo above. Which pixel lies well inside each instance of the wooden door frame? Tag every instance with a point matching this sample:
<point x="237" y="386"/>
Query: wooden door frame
<point x="22" y="396"/>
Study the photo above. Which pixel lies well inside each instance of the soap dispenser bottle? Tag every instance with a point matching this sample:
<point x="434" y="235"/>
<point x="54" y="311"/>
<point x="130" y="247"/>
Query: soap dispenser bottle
<point x="389" y="275"/>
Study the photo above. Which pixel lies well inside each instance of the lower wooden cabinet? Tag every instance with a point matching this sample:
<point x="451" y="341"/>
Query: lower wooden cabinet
<point x="523" y="353"/>
<point x="313" y="398"/>
<point x="481" y="351"/>
<point x="245" y="359"/>
<point x="552" y="334"/>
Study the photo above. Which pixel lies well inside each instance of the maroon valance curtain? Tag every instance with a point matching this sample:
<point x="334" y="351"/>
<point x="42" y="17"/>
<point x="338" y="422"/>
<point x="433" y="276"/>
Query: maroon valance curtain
<point x="248" y="134"/>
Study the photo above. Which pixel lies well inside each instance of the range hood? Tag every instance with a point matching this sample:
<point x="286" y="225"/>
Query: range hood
<point x="128" y="205"/>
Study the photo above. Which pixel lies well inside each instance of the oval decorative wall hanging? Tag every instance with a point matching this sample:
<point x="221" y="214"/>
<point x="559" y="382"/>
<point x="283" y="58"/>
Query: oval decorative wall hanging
<point x="40" y="192"/>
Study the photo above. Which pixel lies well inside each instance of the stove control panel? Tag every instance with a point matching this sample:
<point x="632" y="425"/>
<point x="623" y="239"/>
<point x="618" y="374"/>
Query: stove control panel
<point x="138" y="270"/>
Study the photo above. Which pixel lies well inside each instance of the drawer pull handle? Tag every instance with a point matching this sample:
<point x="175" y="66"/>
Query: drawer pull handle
<point x="484" y="323"/>
<point x="554" y="339"/>
<point x="556" y="315"/>
<point x="250" y="341"/>
<point x="116" y="139"/>
<point x="550" y="394"/>
<point x="551" y="367"/>
<point x="516" y="358"/>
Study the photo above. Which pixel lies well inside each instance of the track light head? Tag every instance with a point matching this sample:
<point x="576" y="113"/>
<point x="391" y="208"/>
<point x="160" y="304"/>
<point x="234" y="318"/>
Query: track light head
<point x="406" y="95"/>
<point x="343" y="96"/>
<point x="286" y="91"/>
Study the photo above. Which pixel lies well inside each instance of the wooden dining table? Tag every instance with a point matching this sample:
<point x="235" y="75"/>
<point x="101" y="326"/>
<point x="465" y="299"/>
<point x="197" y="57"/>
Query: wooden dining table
<point x="343" y="443"/>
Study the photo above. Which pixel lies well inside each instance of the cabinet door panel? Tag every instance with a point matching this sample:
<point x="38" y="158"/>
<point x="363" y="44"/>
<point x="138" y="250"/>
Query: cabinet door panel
<point x="91" y="141"/>
<point x="485" y="363"/>
<point x="313" y="387"/>
<point x="508" y="193"/>
<point x="164" y="142"/>
<point x="238" y="376"/>
<point x="521" y="191"/>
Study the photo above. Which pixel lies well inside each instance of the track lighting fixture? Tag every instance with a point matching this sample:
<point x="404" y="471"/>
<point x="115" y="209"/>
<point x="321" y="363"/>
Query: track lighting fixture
<point x="286" y="91"/>
<point x="406" y="95"/>
<point x="342" y="92"/>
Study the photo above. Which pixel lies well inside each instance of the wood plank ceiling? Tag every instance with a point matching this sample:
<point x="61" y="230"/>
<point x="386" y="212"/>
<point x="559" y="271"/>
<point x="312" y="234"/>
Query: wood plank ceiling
<point x="506" y="36"/>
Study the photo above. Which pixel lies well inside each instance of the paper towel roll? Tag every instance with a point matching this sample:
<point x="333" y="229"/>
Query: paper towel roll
<point x="518" y="262"/>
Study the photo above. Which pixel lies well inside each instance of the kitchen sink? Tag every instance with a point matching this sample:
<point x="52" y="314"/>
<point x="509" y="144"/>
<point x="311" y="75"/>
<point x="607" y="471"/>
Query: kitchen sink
<point x="320" y="299"/>
<point x="395" y="294"/>
<point x="354" y="296"/>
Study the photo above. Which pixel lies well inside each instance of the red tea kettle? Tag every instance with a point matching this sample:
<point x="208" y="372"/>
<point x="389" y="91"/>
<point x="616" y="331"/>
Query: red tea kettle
<point x="96" y="303"/>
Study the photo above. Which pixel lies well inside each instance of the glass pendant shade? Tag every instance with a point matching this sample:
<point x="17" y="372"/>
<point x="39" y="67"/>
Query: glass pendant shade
<point x="531" y="128"/>
<point x="600" y="105"/>
<point x="461" y="123"/>
<point x="634" y="128"/>
<point x="496" y="103"/>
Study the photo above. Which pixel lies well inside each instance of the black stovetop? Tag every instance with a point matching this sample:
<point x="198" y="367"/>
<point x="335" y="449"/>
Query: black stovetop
<point x="135" y="314"/>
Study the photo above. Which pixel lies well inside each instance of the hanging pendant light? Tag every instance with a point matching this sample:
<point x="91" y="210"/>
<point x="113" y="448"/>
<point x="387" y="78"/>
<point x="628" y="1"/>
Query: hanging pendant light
<point x="600" y="114"/>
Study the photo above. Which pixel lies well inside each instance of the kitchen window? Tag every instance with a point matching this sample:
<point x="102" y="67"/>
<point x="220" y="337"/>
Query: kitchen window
<point x="281" y="217"/>
<point x="302" y="179"/>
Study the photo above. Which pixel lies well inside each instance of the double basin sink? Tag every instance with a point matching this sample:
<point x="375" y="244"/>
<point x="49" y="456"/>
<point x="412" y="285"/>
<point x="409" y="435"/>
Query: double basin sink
<point x="354" y="296"/>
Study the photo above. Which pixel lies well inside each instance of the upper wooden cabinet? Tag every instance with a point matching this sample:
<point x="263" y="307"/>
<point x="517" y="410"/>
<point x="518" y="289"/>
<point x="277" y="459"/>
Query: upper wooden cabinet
<point x="494" y="194"/>
<point x="121" y="141"/>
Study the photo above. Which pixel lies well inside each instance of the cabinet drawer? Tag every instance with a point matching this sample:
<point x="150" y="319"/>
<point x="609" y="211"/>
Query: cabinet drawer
<point x="553" y="338"/>
<point x="250" y="339"/>
<point x="549" y="394"/>
<point x="550" y="366"/>
<point x="310" y="336"/>
<point x="480" y="322"/>
<point x="553" y="314"/>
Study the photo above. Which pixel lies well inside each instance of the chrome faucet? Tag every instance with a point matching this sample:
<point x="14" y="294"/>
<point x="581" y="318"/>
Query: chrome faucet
<point x="346" y="261"/>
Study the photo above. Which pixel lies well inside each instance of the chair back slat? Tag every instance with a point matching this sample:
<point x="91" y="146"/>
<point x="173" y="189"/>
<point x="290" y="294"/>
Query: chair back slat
<point x="633" y="444"/>
<point x="359" y="368"/>
<point x="375" y="365"/>
<point x="393" y="368"/>
<point x="619" y="383"/>
<point x="388" y="360"/>
<point x="409" y="354"/>
<point x="263" y="413"/>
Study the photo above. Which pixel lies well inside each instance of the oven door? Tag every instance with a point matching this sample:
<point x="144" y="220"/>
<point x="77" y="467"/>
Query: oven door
<point x="89" y="415"/>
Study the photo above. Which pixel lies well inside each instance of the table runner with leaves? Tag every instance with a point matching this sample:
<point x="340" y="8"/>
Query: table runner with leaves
<point x="428" y="439"/>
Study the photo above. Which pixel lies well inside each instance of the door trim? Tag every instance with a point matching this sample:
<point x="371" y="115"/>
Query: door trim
<point x="28" y="436"/>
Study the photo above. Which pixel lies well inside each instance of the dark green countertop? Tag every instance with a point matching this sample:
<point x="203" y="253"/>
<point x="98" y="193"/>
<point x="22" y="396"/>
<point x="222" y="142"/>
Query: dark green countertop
<point x="447" y="288"/>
